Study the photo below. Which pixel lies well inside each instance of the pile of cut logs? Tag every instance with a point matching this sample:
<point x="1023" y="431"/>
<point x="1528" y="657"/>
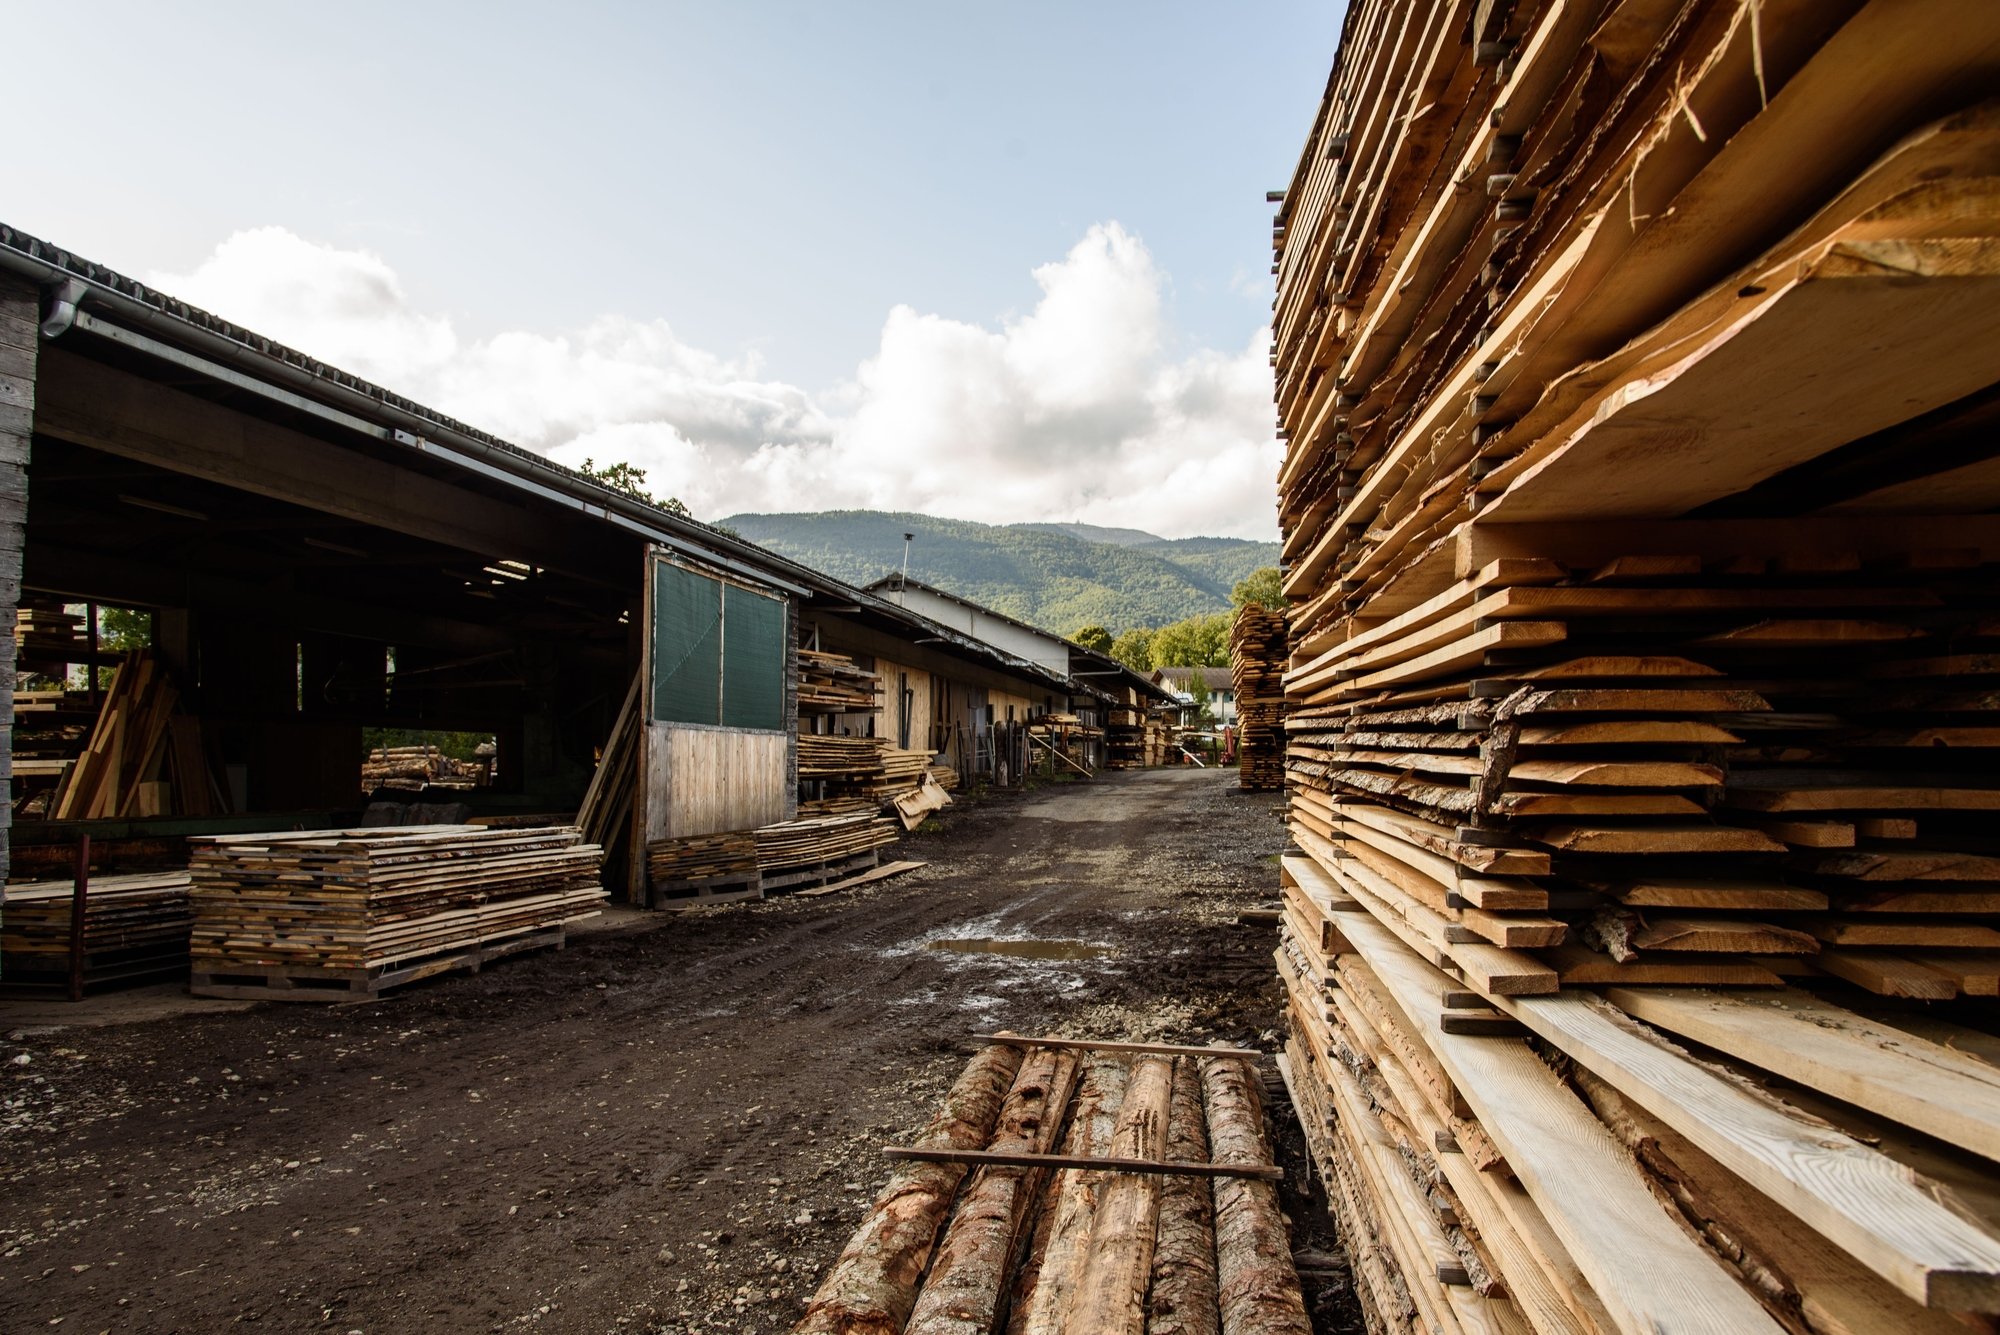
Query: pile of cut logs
<point x="1071" y="1188"/>
<point x="413" y="768"/>
<point x="1257" y="659"/>
<point x="1635" y="366"/>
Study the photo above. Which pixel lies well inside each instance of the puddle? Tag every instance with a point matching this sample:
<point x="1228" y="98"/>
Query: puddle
<point x="1030" y="949"/>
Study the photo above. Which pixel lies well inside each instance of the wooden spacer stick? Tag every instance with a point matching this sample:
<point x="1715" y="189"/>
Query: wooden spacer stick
<point x="1170" y="1167"/>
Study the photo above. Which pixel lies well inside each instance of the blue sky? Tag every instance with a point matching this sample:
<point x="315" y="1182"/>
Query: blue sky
<point x="746" y="194"/>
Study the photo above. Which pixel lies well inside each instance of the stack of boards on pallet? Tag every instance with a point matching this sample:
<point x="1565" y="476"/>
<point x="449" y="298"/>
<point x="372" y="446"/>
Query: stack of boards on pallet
<point x="339" y="914"/>
<point x="135" y="927"/>
<point x="1072" y="1188"/>
<point x="815" y="851"/>
<point x="1257" y="659"/>
<point x="1635" y="363"/>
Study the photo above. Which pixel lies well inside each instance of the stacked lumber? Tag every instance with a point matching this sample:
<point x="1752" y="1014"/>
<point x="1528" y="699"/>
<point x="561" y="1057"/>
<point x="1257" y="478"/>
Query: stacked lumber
<point x="143" y="758"/>
<point x="820" y="839"/>
<point x="703" y="857"/>
<point x="414" y="768"/>
<point x="1257" y="661"/>
<point x="607" y="802"/>
<point x="1634" y="366"/>
<point x="845" y="805"/>
<point x="830" y="756"/>
<point x="47" y="633"/>
<point x="1074" y="1188"/>
<point x="132" y="924"/>
<point x="836" y="684"/>
<point x="363" y="899"/>
<point x="944" y="776"/>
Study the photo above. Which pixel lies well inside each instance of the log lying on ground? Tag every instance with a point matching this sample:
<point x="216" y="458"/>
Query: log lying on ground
<point x="1183" y="1300"/>
<point x="1257" y="1287"/>
<point x="873" y="1284"/>
<point x="961" y="1296"/>
<point x="1049" y="1280"/>
<point x="1118" y="1264"/>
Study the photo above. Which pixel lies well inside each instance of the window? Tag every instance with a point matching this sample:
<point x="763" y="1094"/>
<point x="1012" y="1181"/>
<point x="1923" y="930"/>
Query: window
<point x="718" y="652"/>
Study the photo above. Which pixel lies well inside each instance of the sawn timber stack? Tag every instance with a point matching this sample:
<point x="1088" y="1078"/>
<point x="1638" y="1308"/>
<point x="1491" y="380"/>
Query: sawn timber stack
<point x="328" y="914"/>
<point x="1635" y="366"/>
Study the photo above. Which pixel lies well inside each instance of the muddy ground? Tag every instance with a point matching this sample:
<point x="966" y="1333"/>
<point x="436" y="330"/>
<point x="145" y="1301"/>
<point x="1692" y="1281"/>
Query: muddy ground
<point x="668" y="1127"/>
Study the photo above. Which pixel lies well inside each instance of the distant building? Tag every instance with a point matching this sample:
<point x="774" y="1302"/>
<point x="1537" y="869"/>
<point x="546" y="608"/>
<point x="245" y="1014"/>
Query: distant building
<point x="1221" y="691"/>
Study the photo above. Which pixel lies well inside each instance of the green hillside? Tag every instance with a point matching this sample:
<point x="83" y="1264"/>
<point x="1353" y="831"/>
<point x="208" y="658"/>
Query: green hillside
<point x="1042" y="573"/>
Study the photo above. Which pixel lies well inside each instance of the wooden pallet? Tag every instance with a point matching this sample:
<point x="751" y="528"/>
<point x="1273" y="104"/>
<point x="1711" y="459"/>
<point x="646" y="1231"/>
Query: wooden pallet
<point x="700" y="891"/>
<point x="289" y="982"/>
<point x="820" y="873"/>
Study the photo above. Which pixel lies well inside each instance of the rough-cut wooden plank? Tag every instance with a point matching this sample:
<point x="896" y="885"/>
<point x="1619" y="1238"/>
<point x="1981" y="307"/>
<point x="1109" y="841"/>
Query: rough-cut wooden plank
<point x="873" y="1284"/>
<point x="1858" y="1198"/>
<point x="1118" y="1264"/>
<point x="1183" y="1299"/>
<point x="961" y="1294"/>
<point x="1258" y="1288"/>
<point x="1586" y="1185"/>
<point x="1047" y="1282"/>
<point x="1924" y="1085"/>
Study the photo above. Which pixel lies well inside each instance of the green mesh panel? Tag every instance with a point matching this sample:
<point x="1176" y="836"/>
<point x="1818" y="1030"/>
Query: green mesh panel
<point x="687" y="646"/>
<point x="753" y="659"/>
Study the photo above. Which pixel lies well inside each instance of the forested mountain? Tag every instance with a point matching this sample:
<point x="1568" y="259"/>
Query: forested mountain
<point x="1057" y="576"/>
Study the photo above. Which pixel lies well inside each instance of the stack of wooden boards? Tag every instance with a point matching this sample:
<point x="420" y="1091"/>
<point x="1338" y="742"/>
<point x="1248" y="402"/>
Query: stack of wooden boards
<point x="835" y="684"/>
<point x="820" y="840"/>
<point x="144" y="757"/>
<point x="1135" y="737"/>
<point x="414" y="768"/>
<point x="134" y="926"/>
<point x="1075" y="1188"/>
<point x="703" y="857"/>
<point x="607" y="803"/>
<point x="1257" y="660"/>
<point x="1810" y="1167"/>
<point x="321" y="914"/>
<point x="46" y="635"/>
<point x="1635" y="366"/>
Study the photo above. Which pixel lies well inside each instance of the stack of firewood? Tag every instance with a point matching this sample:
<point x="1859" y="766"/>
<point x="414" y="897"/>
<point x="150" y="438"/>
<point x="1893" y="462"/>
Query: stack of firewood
<point x="1635" y="366"/>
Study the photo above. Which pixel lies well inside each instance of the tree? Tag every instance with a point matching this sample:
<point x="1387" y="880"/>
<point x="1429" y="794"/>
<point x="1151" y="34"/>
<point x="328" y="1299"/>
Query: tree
<point x="1199" y="641"/>
<point x="1134" y="648"/>
<point x="631" y="479"/>
<point x="1094" y="638"/>
<point x="1265" y="587"/>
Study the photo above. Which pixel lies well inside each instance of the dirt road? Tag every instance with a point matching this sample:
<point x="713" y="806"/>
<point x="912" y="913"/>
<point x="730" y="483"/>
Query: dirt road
<point x="664" y="1128"/>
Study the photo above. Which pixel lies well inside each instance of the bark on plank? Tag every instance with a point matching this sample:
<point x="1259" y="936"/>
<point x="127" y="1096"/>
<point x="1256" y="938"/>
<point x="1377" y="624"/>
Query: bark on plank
<point x="873" y="1284"/>
<point x="1258" y="1289"/>
<point x="962" y="1294"/>
<point x="1183" y="1298"/>
<point x="1118" y="1264"/>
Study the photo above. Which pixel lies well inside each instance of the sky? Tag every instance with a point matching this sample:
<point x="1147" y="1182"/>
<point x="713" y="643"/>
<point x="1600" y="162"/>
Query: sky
<point x="1003" y="262"/>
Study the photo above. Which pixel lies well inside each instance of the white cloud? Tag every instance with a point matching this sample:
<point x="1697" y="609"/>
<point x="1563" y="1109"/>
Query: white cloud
<point x="1076" y="410"/>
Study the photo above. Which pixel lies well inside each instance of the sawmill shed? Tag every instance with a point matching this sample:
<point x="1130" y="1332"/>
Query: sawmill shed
<point x="318" y="556"/>
<point x="1095" y="684"/>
